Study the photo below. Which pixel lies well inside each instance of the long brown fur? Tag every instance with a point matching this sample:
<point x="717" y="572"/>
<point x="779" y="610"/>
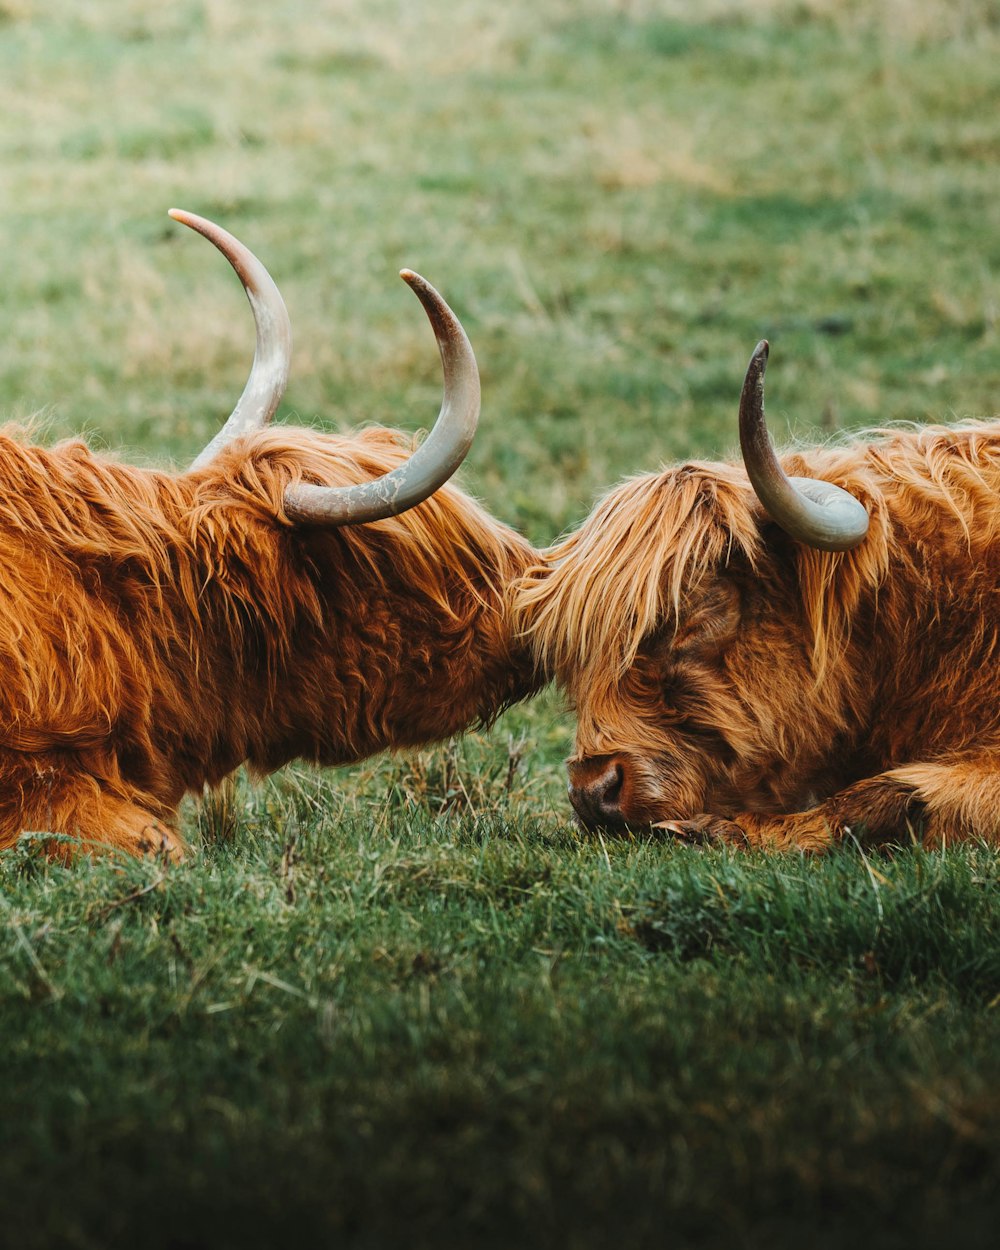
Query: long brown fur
<point x="158" y="630"/>
<point x="738" y="686"/>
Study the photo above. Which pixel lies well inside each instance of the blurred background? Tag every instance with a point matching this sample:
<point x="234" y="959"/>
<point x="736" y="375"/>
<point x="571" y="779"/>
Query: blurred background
<point x="619" y="197"/>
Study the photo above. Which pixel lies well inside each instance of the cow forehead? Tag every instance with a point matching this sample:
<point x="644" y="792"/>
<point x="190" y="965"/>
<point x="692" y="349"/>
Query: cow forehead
<point x="599" y="595"/>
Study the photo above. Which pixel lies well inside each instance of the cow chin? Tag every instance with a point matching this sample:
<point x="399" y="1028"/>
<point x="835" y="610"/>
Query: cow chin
<point x="620" y="791"/>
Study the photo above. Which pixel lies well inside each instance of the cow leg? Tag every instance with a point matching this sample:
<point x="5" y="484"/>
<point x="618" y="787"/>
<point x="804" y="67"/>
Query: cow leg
<point x="937" y="803"/>
<point x="36" y="797"/>
<point x="111" y="822"/>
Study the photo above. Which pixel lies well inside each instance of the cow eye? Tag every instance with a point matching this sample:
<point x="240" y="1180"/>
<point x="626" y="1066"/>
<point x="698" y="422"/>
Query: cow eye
<point x="671" y="694"/>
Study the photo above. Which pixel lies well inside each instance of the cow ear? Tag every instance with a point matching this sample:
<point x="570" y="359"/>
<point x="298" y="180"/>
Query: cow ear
<point x="710" y="620"/>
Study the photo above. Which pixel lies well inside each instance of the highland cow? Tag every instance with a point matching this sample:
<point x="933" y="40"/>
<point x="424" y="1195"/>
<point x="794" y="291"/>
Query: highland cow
<point x="779" y="661"/>
<point x="292" y="595"/>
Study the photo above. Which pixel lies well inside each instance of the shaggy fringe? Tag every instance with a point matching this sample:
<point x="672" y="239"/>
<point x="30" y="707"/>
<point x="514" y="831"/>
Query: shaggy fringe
<point x="626" y="572"/>
<point x="187" y="531"/>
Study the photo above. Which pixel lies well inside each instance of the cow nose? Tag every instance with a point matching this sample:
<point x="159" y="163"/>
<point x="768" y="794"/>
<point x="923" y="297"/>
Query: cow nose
<point x="595" y="790"/>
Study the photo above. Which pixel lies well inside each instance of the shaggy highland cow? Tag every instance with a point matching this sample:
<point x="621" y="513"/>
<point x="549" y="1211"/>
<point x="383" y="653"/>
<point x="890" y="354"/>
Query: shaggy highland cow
<point x="293" y="594"/>
<point x="786" y="662"/>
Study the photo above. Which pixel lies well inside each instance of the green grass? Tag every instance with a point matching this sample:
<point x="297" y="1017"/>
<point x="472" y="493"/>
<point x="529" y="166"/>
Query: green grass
<point x="487" y="1031"/>
<point x="406" y="1003"/>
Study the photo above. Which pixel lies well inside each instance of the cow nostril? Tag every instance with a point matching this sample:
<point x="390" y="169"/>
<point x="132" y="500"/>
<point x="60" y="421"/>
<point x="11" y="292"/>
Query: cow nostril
<point x="597" y="799"/>
<point x="608" y="791"/>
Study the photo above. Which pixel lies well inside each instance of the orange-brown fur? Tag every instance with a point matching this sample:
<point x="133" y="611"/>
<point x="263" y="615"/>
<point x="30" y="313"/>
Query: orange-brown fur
<point x="759" y="692"/>
<point x="158" y="630"/>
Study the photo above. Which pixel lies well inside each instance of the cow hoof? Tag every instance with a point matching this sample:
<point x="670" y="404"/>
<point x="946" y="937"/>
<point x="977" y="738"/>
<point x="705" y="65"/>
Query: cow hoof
<point x="700" y="832"/>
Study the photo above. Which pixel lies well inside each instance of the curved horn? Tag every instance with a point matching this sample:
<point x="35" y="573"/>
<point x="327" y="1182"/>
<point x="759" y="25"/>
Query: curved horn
<point x="812" y="511"/>
<point x="434" y="461"/>
<point x="269" y="372"/>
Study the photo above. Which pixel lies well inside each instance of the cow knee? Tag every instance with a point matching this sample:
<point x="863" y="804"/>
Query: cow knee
<point x="877" y="811"/>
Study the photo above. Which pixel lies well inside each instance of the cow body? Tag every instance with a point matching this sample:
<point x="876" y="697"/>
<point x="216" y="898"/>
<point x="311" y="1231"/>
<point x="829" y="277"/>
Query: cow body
<point x="735" y="685"/>
<point x="157" y="630"/>
<point x="292" y="595"/>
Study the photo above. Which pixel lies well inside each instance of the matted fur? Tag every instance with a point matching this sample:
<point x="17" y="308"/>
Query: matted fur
<point x="735" y="684"/>
<point x="157" y="630"/>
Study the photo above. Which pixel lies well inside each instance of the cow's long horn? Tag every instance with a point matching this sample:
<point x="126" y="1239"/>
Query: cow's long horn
<point x="269" y="372"/>
<point x="810" y="510"/>
<point x="434" y="461"/>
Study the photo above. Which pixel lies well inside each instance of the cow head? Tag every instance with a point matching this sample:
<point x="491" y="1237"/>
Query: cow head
<point x="691" y="621"/>
<point x="376" y="587"/>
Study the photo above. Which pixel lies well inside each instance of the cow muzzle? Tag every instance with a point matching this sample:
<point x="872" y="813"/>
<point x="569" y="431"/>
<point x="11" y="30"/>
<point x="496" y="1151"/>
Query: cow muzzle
<point x="596" y="786"/>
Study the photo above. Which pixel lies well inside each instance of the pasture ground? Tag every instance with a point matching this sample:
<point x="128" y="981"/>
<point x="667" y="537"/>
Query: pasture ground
<point x="407" y="1003"/>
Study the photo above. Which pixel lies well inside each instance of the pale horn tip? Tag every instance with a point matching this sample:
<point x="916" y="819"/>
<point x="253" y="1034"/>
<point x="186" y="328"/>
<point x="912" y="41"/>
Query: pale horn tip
<point x="413" y="279"/>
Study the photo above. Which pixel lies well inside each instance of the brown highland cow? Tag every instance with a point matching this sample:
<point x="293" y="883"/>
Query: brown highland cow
<point x="771" y="662"/>
<point x="293" y="594"/>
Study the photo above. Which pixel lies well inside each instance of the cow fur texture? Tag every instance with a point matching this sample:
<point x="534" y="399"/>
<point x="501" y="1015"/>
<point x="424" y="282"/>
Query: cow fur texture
<point x="733" y="685"/>
<point x="158" y="630"/>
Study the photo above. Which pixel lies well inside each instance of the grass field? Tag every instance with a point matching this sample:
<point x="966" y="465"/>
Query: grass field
<point x="407" y="1003"/>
